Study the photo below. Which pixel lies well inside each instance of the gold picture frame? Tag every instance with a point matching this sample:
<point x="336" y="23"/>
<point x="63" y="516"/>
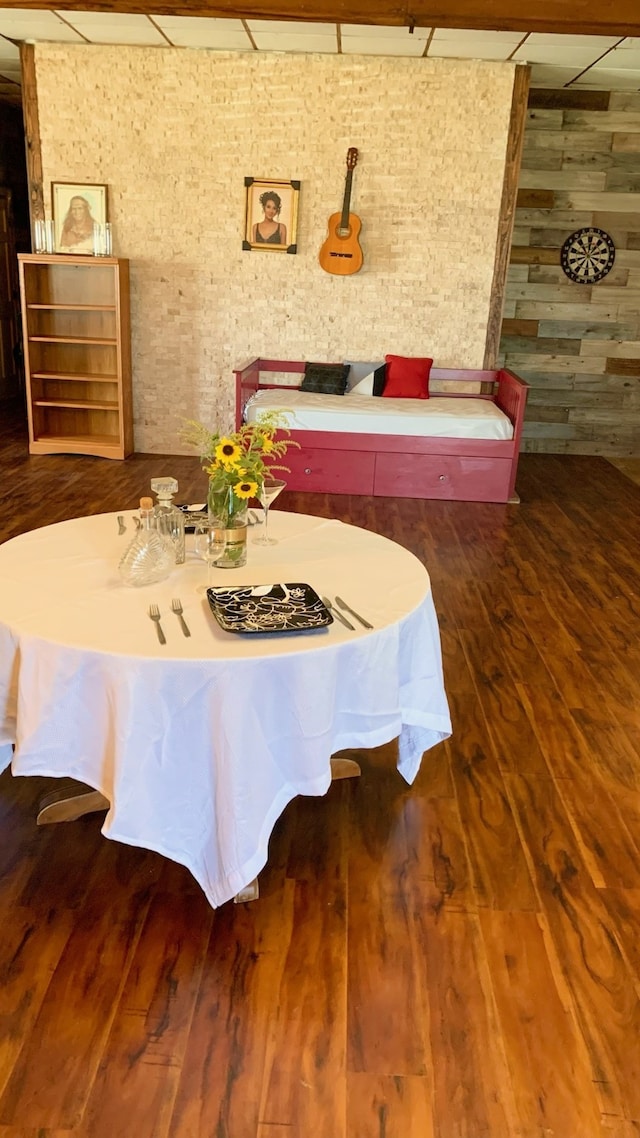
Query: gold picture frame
<point x="74" y="220"/>
<point x="271" y="215"/>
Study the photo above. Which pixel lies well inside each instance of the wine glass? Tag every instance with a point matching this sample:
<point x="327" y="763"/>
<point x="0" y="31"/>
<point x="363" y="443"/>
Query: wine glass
<point x="209" y="544"/>
<point x="269" y="490"/>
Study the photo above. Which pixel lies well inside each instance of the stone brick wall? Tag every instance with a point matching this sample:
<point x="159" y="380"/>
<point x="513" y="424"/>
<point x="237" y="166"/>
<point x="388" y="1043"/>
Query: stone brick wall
<point x="173" y="133"/>
<point x="578" y="345"/>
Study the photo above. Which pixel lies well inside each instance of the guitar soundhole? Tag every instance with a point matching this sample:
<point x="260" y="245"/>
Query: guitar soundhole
<point x="343" y="232"/>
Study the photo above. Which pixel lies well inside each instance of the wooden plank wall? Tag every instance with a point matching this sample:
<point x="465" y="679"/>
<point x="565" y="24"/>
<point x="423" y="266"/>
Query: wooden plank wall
<point x="578" y="346"/>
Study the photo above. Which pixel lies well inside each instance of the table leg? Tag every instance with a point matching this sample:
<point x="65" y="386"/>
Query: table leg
<point x="340" y="768"/>
<point x="344" y="768"/>
<point x="251" y="892"/>
<point x="70" y="801"/>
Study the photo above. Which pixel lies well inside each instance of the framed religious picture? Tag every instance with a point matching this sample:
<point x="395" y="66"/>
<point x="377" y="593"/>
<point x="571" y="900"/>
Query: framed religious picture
<point x="77" y="210"/>
<point x="271" y="215"/>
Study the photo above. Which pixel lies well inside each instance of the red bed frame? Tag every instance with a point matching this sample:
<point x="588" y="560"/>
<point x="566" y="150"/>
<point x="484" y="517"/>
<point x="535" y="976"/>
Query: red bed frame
<point x="404" y="466"/>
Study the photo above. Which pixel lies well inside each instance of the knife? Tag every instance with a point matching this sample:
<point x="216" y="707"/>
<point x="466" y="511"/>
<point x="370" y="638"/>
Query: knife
<point x="344" y="605"/>
<point x="334" y="612"/>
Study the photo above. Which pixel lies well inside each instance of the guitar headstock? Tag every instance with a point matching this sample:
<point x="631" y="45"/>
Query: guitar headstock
<point x="352" y="157"/>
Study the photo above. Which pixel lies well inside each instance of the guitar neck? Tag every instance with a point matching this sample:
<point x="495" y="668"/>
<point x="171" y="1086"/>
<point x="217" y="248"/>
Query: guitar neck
<point x="344" y="220"/>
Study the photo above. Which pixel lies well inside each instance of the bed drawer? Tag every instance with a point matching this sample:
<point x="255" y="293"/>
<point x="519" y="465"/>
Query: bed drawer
<point x="442" y="476"/>
<point x="330" y="472"/>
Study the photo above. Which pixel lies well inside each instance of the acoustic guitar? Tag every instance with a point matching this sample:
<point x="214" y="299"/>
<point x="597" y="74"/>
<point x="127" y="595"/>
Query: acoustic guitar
<point x="341" y="253"/>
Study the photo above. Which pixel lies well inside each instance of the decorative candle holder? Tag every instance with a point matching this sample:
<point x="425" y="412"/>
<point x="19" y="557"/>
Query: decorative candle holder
<point x="43" y="236"/>
<point x="39" y="238"/>
<point x="102" y="246"/>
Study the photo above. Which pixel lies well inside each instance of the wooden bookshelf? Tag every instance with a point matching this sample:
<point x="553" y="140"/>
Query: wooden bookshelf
<point x="77" y="340"/>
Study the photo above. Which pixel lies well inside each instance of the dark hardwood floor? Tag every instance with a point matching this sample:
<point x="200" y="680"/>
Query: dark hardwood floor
<point x="456" y="959"/>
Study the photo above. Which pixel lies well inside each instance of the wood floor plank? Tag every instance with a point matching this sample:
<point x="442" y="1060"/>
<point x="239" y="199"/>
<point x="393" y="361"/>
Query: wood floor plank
<point x="623" y="907"/>
<point x="615" y="1127"/>
<point x="387" y="1022"/>
<point x="457" y="674"/>
<point x="514" y="559"/>
<point x="61" y="866"/>
<point x="549" y="1066"/>
<point x="606" y="845"/>
<point x="546" y="619"/>
<point x="513" y="637"/>
<point x="388" y="1106"/>
<point x="566" y="609"/>
<point x="234" y="1019"/>
<point x="378" y="848"/>
<point x="137" y="1080"/>
<point x="614" y="670"/>
<point x="438" y="867"/>
<point x="472" y="1093"/>
<point x="464" y="606"/>
<point x="616" y="755"/>
<point x="21" y="852"/>
<point x="304" y="1082"/>
<point x="68" y="1035"/>
<point x="316" y="838"/>
<point x="500" y="873"/>
<point x="604" y="999"/>
<point x="546" y="623"/>
<point x="36" y="1132"/>
<point x="30" y="949"/>
<point x="505" y="721"/>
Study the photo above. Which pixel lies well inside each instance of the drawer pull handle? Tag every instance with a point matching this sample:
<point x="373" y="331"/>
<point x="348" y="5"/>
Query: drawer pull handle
<point x="307" y="470"/>
<point x="442" y="478"/>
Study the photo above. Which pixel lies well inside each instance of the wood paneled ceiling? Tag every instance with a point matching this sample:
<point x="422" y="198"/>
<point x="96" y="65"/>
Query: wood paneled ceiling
<point x="586" y="17"/>
<point x="593" y="43"/>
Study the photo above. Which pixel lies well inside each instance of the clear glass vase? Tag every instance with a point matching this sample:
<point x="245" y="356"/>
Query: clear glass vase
<point x="230" y="513"/>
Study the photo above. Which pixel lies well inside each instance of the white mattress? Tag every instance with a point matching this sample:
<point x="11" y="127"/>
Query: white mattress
<point x="437" y="417"/>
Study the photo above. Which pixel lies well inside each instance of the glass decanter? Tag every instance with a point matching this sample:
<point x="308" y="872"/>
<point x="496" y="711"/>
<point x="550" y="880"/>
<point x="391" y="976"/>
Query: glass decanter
<point x="150" y="556"/>
<point x="169" y="520"/>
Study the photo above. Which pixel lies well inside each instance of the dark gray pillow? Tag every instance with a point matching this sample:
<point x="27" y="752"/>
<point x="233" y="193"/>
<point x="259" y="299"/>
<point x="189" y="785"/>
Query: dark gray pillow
<point x="379" y="379"/>
<point x="326" y="379"/>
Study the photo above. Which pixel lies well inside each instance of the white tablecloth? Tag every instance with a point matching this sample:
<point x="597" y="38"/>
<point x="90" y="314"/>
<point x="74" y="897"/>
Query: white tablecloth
<point x="200" y="744"/>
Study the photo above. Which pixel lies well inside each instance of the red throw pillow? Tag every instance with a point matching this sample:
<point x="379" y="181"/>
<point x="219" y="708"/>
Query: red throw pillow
<point x="407" y="377"/>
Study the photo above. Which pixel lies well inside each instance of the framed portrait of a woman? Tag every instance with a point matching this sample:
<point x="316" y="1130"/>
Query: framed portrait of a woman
<point x="77" y="209"/>
<point x="271" y="215"/>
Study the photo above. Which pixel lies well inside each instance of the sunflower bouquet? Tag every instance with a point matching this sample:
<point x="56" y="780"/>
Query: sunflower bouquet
<point x="238" y="463"/>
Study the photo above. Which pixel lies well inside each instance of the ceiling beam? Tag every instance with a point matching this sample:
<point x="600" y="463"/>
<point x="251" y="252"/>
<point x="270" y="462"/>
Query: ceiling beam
<point x="586" y="17"/>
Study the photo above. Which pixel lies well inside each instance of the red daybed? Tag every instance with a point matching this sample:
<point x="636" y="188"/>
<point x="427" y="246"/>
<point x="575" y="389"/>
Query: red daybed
<point x="466" y="470"/>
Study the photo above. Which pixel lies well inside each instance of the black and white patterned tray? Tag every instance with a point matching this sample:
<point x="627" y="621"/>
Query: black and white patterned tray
<point x="268" y="608"/>
<point x="192" y="514"/>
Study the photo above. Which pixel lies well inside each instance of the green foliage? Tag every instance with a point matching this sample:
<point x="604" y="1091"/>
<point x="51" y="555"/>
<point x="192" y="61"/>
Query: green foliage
<point x="240" y="461"/>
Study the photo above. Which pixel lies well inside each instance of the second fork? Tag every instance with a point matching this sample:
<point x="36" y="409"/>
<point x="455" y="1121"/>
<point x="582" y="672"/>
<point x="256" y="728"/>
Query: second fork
<point x="176" y="607"/>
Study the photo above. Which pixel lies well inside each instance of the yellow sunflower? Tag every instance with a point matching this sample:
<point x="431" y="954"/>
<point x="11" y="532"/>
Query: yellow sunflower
<point x="246" y="489"/>
<point x="228" y="452"/>
<point x="267" y="446"/>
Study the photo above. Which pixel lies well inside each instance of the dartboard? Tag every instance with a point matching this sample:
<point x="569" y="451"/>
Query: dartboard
<point x="588" y="255"/>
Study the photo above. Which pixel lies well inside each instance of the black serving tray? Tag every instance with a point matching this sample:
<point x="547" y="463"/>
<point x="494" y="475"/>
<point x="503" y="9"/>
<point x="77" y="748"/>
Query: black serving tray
<point x="268" y="608"/>
<point x="192" y="514"/>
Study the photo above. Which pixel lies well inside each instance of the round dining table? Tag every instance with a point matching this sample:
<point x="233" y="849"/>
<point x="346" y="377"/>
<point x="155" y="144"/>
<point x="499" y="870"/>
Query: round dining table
<point x="198" y="744"/>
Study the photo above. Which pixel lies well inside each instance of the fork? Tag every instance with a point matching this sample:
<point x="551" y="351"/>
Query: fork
<point x="154" y="613"/>
<point x="176" y="607"/>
